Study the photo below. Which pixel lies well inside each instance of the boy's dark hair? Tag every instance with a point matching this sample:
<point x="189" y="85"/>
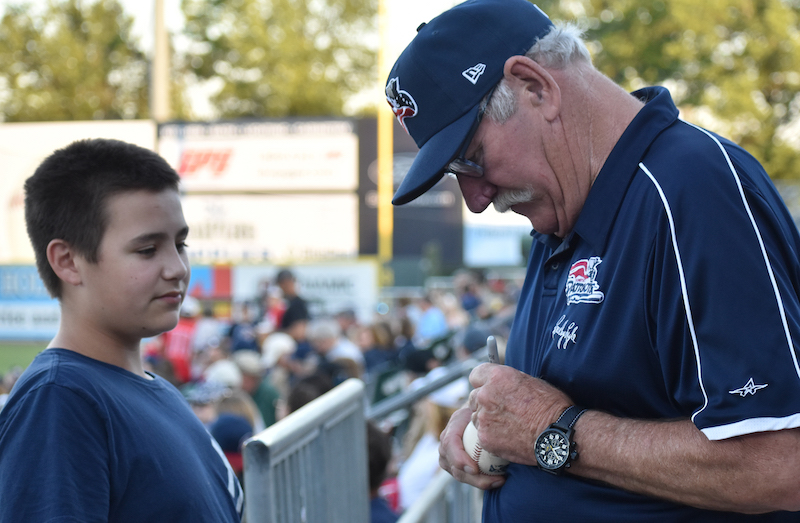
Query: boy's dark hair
<point x="66" y="196"/>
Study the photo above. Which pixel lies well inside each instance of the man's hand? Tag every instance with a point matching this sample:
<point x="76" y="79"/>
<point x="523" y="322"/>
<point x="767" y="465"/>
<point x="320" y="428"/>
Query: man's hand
<point x="510" y="409"/>
<point x="456" y="461"/>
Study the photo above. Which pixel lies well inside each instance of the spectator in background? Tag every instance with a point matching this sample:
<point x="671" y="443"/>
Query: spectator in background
<point x="296" y="306"/>
<point x="432" y="415"/>
<point x="306" y="390"/>
<point x="379" y="445"/>
<point x="242" y="334"/>
<point x="294" y="322"/>
<point x="238" y="402"/>
<point x="230" y="431"/>
<point x="178" y="342"/>
<point x="348" y="323"/>
<point x="276" y="353"/>
<point x="224" y="372"/>
<point x="377" y="345"/>
<point x="333" y="355"/>
<point x="431" y="324"/>
<point x="256" y="384"/>
<point x="404" y="339"/>
<point x="274" y="307"/>
<point x="208" y="331"/>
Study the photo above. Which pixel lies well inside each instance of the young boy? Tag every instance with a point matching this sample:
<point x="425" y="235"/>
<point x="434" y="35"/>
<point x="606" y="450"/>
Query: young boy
<point x="87" y="434"/>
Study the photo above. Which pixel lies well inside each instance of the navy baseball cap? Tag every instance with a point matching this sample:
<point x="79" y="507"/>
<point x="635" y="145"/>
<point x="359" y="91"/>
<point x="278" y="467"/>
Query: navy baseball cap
<point x="437" y="83"/>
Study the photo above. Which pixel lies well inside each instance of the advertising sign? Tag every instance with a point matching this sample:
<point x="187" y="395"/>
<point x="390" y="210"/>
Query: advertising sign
<point x="271" y="228"/>
<point x="264" y="156"/>
<point x="328" y="288"/>
<point x="27" y="312"/>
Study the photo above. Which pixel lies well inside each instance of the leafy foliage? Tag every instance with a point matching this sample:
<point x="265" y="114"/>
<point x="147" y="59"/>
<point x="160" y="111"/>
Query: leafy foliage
<point x="731" y="65"/>
<point x="282" y="57"/>
<point x="73" y="62"/>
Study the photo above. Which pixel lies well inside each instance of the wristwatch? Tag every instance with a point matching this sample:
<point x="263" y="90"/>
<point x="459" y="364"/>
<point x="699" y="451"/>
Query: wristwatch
<point x="555" y="450"/>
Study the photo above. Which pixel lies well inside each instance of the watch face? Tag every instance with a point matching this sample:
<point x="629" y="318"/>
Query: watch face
<point x="552" y="449"/>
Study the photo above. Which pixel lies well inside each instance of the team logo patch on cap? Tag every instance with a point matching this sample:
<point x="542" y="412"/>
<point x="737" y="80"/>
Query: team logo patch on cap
<point x="582" y="286"/>
<point x="403" y="104"/>
<point x="473" y="73"/>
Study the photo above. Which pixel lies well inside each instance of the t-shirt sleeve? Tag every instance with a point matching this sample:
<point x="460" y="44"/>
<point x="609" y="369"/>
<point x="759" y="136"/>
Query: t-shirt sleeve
<point x="727" y="311"/>
<point x="54" y="462"/>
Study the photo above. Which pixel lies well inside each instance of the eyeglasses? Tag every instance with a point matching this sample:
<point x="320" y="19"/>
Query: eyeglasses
<point x="461" y="165"/>
<point x="464" y="167"/>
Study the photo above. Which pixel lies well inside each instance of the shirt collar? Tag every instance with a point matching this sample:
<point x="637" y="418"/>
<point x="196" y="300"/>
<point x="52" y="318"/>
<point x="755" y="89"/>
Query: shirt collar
<point x="605" y="197"/>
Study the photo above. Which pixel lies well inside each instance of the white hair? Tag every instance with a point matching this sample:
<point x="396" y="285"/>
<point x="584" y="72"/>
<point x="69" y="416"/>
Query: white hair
<point x="561" y="47"/>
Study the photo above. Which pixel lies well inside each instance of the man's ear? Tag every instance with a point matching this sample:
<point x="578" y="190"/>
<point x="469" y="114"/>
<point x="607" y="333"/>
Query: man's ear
<point x="533" y="84"/>
<point x="62" y="259"/>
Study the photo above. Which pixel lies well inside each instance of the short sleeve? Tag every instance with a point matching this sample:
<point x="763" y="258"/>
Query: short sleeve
<point x="728" y="313"/>
<point x="53" y="459"/>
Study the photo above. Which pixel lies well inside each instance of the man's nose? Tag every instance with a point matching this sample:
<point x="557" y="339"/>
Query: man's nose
<point x="477" y="192"/>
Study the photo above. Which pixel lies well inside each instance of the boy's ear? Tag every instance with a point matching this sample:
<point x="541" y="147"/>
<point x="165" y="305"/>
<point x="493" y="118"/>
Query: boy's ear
<point x="535" y="82"/>
<point x="61" y="257"/>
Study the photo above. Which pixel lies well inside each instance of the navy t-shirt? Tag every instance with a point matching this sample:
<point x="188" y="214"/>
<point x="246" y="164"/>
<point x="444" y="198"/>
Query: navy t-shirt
<point x="81" y="440"/>
<point x="673" y="297"/>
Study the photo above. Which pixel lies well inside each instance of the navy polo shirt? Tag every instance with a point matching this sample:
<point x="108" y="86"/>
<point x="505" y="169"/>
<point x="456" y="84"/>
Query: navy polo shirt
<point x="673" y="297"/>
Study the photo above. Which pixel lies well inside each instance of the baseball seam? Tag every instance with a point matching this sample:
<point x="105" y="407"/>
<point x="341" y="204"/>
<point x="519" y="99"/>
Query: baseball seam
<point x="477" y="450"/>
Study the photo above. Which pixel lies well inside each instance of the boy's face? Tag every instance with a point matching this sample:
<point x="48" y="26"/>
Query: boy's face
<point x="142" y="274"/>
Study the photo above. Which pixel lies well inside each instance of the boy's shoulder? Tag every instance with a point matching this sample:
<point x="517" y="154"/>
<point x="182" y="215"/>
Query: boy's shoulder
<point x="93" y="381"/>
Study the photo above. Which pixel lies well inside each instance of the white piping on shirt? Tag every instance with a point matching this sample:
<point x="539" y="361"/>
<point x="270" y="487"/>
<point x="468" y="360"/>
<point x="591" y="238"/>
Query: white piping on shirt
<point x="745" y="426"/>
<point x="684" y="292"/>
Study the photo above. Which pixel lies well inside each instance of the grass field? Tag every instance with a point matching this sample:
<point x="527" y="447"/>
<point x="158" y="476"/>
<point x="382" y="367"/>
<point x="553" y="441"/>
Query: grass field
<point x="18" y="354"/>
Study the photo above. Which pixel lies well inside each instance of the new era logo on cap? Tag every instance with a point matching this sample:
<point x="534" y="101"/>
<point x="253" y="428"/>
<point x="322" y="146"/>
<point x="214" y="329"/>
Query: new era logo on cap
<point x="473" y="73"/>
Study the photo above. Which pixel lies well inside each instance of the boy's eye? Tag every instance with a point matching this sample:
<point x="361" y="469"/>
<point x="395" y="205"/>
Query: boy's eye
<point x="147" y="251"/>
<point x="182" y="246"/>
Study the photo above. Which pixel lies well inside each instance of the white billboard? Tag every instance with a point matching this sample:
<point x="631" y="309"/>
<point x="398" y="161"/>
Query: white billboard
<point x="271" y="228"/>
<point x="264" y="156"/>
<point x="23" y="146"/>
<point x="328" y="288"/>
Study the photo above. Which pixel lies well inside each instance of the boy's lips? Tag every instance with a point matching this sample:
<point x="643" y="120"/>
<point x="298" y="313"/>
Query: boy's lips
<point x="171" y="297"/>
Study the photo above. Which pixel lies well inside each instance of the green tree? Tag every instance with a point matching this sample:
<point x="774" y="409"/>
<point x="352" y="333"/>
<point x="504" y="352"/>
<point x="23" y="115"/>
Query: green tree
<point x="731" y="65"/>
<point x="282" y="57"/>
<point x="73" y="62"/>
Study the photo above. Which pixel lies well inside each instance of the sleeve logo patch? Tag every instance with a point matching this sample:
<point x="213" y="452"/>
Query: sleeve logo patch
<point x="749" y="388"/>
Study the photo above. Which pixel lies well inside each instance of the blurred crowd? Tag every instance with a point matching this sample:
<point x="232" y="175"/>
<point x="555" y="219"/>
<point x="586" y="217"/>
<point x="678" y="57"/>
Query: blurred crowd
<point x="245" y="371"/>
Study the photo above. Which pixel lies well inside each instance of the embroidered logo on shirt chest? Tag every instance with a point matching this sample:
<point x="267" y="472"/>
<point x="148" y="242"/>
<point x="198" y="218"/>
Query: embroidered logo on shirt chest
<point x="582" y="286"/>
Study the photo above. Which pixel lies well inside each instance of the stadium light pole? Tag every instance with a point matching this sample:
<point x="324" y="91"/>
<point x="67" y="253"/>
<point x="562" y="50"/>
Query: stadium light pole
<point x="385" y="158"/>
<point x="161" y="110"/>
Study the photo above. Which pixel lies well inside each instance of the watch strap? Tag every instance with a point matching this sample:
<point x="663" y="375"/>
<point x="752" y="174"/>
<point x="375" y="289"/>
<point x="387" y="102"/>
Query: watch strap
<point x="568" y="418"/>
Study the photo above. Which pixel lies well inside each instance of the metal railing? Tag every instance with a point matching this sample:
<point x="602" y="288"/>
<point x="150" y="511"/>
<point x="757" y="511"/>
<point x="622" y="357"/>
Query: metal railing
<point x="446" y="500"/>
<point x="312" y="465"/>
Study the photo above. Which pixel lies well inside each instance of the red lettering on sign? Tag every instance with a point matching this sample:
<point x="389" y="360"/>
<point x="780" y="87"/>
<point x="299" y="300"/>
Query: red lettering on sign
<point x="194" y="160"/>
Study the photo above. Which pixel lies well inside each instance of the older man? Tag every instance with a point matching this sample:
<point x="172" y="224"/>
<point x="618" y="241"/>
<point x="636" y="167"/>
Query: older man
<point x="651" y="372"/>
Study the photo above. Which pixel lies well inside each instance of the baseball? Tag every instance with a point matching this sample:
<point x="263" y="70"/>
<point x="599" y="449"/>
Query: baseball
<point x="487" y="462"/>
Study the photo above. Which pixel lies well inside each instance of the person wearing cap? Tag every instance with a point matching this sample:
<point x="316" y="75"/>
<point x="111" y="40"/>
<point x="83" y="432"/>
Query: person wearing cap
<point x="256" y="383"/>
<point x="651" y="372"/>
